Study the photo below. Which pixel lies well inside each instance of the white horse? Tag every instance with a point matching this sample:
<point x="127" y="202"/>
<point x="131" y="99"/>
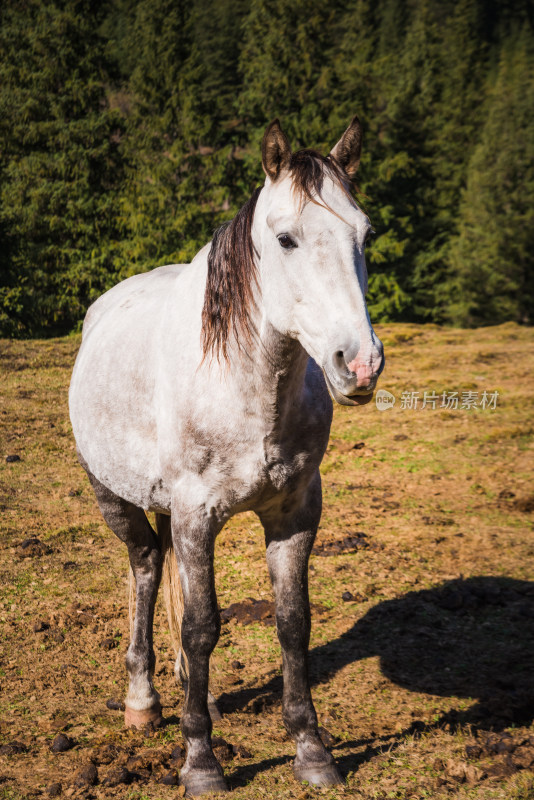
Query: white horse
<point x="202" y="390"/>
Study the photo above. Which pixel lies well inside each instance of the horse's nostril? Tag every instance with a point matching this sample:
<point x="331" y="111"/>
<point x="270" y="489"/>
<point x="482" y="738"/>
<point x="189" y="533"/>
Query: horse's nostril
<point x="339" y="361"/>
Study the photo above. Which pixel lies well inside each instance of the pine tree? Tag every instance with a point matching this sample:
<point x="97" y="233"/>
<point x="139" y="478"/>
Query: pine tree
<point x="183" y="177"/>
<point x="285" y="64"/>
<point x="426" y="73"/>
<point x="152" y="229"/>
<point x="368" y="68"/>
<point x="60" y="166"/>
<point x="492" y="257"/>
<point x="130" y="130"/>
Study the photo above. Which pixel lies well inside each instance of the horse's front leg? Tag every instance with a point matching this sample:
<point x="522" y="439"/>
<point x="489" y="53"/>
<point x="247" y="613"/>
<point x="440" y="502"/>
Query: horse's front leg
<point x="289" y="540"/>
<point x="194" y="538"/>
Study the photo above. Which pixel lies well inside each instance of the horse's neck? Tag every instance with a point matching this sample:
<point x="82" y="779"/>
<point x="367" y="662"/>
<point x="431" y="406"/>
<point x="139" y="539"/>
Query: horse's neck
<point x="280" y="369"/>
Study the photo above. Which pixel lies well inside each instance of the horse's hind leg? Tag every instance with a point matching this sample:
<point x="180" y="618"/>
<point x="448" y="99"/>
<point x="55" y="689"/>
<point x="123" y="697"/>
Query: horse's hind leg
<point x="289" y="542"/>
<point x="130" y="524"/>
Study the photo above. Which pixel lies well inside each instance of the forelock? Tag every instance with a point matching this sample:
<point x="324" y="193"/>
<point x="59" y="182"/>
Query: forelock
<point x="308" y="169"/>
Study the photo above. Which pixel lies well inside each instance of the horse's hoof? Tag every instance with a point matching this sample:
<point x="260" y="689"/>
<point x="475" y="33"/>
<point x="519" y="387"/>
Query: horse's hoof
<point x="197" y="784"/>
<point x="140" y="719"/>
<point x="318" y="774"/>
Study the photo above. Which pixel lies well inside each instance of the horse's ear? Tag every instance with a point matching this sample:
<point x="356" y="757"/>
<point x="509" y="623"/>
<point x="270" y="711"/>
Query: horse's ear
<point x="275" y="150"/>
<point x="348" y="150"/>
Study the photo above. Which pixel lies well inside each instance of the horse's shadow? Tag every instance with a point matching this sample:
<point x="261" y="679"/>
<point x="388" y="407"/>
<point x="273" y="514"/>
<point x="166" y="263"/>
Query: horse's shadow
<point x="471" y="638"/>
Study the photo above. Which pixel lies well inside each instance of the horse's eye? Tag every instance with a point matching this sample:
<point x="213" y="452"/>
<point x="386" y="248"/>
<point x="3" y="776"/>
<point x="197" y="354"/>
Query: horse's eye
<point x="286" y="241"/>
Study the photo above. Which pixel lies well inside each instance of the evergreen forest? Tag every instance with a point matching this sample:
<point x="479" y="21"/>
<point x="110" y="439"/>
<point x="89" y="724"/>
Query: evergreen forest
<point x="131" y="129"/>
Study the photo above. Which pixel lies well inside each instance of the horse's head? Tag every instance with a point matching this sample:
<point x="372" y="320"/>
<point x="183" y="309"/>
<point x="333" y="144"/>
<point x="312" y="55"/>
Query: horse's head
<point x="311" y="236"/>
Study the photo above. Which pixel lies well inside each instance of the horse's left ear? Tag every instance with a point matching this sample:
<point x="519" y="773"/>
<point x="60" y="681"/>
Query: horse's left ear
<point x="348" y="150"/>
<point x="275" y="150"/>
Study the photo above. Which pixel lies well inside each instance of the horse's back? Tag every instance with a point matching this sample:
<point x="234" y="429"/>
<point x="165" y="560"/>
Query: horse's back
<point x="157" y="281"/>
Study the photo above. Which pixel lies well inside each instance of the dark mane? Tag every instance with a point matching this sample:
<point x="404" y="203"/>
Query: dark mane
<point x="229" y="294"/>
<point x="229" y="286"/>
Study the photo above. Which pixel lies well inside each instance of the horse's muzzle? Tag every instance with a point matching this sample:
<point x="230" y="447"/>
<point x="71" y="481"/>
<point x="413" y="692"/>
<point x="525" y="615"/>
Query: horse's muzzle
<point x="351" y="379"/>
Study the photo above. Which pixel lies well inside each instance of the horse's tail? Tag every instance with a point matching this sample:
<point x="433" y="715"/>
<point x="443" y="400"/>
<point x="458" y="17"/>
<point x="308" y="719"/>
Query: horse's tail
<point x="172" y="593"/>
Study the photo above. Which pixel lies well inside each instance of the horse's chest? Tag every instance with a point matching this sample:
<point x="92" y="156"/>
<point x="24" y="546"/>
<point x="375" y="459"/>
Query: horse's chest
<point x="282" y="471"/>
<point x="257" y="482"/>
<point x="256" y="464"/>
<point x="288" y="468"/>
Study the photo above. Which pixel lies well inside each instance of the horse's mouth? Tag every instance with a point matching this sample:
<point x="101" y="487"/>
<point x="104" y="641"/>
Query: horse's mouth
<point x="359" y="399"/>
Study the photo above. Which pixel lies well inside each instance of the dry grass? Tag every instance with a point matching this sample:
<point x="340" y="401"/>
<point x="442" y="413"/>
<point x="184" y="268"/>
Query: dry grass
<point x="433" y="654"/>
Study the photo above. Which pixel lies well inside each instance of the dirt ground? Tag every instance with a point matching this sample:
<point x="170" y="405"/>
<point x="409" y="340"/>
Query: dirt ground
<point x="422" y="651"/>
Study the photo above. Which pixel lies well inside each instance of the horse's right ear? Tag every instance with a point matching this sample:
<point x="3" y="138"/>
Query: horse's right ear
<point x="275" y="150"/>
<point x="348" y="150"/>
